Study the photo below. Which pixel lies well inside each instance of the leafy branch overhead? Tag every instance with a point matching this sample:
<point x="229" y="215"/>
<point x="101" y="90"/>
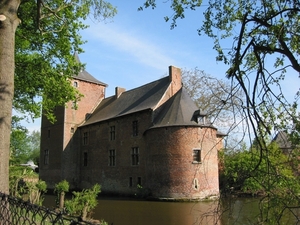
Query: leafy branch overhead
<point x="46" y="41"/>
<point x="259" y="41"/>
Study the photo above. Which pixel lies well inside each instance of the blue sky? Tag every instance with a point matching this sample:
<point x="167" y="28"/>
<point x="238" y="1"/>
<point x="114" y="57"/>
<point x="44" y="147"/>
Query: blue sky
<point x="137" y="47"/>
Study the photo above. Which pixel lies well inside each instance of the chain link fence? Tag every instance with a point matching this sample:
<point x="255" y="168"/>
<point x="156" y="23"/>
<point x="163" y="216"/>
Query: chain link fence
<point x="15" y="211"/>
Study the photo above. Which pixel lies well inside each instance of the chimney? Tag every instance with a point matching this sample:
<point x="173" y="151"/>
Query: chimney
<point x="175" y="79"/>
<point x="119" y="91"/>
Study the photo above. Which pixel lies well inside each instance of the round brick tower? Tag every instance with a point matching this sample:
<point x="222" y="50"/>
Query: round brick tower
<point x="182" y="161"/>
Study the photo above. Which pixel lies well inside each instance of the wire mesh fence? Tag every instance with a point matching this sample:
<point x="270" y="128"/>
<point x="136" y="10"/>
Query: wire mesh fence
<point x="15" y="211"/>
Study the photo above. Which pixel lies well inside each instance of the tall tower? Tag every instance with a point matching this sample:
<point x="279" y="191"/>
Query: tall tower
<point x="59" y="152"/>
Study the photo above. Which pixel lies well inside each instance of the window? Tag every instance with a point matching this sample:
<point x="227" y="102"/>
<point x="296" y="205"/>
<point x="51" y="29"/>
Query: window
<point x="48" y="133"/>
<point x="75" y="84"/>
<point x="112" y="157"/>
<point x="135" y="130"/>
<point x="112" y="133"/>
<point x="72" y="129"/>
<point x="139" y="181"/>
<point x="130" y="181"/>
<point x="85" y="159"/>
<point x="196" y="156"/>
<point x="135" y="156"/>
<point x="85" y="138"/>
<point x="46" y="157"/>
<point x="195" y="184"/>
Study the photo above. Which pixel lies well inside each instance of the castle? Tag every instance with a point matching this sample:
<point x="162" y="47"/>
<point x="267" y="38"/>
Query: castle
<point x="152" y="138"/>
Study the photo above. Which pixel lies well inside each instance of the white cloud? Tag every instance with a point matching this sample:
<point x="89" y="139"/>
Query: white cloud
<point x="142" y="49"/>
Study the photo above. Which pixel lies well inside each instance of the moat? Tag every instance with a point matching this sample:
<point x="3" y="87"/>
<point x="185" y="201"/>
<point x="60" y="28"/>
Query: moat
<point x="118" y="211"/>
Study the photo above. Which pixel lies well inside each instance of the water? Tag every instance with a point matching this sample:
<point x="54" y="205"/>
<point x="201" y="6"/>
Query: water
<point x="134" y="212"/>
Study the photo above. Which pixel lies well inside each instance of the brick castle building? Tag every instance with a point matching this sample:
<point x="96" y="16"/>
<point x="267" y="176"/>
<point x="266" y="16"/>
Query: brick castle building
<point x="151" y="139"/>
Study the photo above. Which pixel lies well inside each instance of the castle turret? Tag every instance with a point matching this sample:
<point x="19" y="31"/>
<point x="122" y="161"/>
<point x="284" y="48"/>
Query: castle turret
<point x="58" y="156"/>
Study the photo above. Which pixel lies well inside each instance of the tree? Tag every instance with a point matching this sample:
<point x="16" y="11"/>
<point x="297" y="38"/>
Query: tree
<point x="218" y="98"/>
<point x="24" y="146"/>
<point x="39" y="58"/>
<point x="61" y="189"/>
<point x="82" y="203"/>
<point x="259" y="42"/>
<point x="273" y="179"/>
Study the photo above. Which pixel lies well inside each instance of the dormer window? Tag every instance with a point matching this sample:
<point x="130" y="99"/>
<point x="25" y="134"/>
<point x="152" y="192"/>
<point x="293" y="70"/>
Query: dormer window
<point x="200" y="117"/>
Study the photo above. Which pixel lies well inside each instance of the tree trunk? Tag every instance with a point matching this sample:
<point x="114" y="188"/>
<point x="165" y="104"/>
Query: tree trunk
<point x="8" y="24"/>
<point x="62" y="200"/>
<point x="84" y="212"/>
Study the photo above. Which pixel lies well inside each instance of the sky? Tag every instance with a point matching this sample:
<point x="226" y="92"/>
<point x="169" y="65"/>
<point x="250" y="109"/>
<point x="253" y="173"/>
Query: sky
<point x="137" y="47"/>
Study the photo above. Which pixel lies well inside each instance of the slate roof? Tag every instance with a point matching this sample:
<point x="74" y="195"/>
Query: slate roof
<point x="135" y="100"/>
<point x="179" y="111"/>
<point x="85" y="76"/>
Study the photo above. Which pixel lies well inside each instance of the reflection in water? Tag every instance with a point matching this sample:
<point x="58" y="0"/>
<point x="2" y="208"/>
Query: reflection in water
<point x="121" y="212"/>
<point x="132" y="212"/>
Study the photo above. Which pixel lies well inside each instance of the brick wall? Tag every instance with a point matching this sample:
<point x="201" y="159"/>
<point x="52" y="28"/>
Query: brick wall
<point x="171" y="171"/>
<point x="63" y="153"/>
<point x="166" y="167"/>
<point x="114" y="179"/>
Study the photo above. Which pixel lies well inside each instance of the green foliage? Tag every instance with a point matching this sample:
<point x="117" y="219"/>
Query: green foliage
<point x="17" y="174"/>
<point x="24" y="183"/>
<point x="179" y="8"/>
<point x="24" y="146"/>
<point x="269" y="173"/>
<point x="35" y="191"/>
<point x="61" y="188"/>
<point x="259" y="172"/>
<point x="82" y="203"/>
<point x="46" y="41"/>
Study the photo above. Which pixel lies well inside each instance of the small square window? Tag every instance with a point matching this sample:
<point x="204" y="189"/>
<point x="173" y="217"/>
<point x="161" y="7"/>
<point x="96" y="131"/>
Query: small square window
<point x="196" y="156"/>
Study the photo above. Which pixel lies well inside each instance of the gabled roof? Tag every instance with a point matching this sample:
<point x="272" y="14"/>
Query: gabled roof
<point x="282" y="140"/>
<point x="85" y="76"/>
<point x="135" y="100"/>
<point x="179" y="111"/>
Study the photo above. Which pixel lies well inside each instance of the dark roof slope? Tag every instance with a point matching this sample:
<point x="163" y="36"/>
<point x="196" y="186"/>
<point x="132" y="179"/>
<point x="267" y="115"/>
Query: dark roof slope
<point x="135" y="100"/>
<point x="178" y="111"/>
<point x="85" y="76"/>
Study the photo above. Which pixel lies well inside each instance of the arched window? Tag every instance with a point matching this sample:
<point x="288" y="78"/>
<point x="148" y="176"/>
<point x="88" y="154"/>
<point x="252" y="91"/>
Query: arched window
<point x="75" y="84"/>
